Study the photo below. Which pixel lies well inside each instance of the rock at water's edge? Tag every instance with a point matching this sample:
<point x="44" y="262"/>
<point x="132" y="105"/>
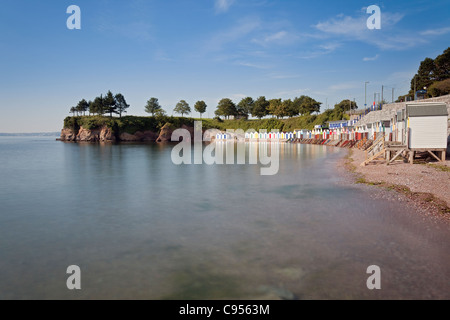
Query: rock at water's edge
<point x="68" y="135"/>
<point x="166" y="133"/>
<point x="103" y="134"/>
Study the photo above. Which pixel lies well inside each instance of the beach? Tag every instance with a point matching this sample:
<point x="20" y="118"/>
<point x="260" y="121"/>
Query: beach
<point x="426" y="185"/>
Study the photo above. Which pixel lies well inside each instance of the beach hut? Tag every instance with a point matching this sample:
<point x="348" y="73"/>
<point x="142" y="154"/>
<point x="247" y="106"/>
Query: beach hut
<point x="427" y="126"/>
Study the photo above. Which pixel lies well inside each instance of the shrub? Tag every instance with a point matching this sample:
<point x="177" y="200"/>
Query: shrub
<point x="439" y="88"/>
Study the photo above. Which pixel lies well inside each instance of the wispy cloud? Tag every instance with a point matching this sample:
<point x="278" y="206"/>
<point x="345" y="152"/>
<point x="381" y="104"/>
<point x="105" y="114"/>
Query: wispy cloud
<point x="281" y="37"/>
<point x="356" y="26"/>
<point x="321" y="50"/>
<point x="345" y="86"/>
<point x="355" y="29"/>
<point x="343" y="25"/>
<point x="371" y="58"/>
<point x="435" y="32"/>
<point x="241" y="30"/>
<point x="252" y="65"/>
<point x="223" y="5"/>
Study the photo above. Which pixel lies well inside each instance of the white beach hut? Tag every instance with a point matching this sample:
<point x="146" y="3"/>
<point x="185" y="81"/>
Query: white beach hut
<point x="427" y="126"/>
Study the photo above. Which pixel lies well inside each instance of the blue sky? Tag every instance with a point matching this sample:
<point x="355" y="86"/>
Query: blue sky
<point x="206" y="50"/>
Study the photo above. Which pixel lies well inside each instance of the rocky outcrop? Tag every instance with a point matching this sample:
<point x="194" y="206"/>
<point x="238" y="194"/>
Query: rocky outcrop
<point x="166" y="133"/>
<point x="103" y="134"/>
<point x="107" y="135"/>
<point x="68" y="135"/>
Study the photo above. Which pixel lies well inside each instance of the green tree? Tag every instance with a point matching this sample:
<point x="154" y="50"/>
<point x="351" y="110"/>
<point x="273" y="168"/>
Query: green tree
<point x="298" y="101"/>
<point x="182" y="108"/>
<point x="121" y="104"/>
<point x="307" y="105"/>
<point x="245" y="106"/>
<point x="226" y="108"/>
<point x="439" y="88"/>
<point x="152" y="106"/>
<point x="200" y="107"/>
<point x="97" y="106"/>
<point x="442" y="63"/>
<point x="425" y="76"/>
<point x="275" y="108"/>
<point x="110" y="104"/>
<point x="82" y="107"/>
<point x="89" y="106"/>
<point x="160" y="113"/>
<point x="345" y="105"/>
<point x="260" y="108"/>
<point x="73" y="110"/>
<point x="291" y="110"/>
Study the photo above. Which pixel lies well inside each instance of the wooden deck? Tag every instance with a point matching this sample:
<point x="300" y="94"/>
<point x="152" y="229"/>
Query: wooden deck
<point x="392" y="151"/>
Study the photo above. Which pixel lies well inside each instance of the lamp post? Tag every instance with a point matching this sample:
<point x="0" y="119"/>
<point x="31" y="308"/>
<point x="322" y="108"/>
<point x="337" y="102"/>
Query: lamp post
<point x="365" y="93"/>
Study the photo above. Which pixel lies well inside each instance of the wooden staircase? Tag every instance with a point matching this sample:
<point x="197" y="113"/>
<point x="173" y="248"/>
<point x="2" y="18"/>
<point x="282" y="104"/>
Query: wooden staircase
<point x="376" y="151"/>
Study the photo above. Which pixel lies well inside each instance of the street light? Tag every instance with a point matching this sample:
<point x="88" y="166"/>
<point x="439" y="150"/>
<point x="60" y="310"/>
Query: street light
<point x="365" y="93"/>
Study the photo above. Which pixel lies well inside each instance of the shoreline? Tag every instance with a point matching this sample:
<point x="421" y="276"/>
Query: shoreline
<point x="425" y="186"/>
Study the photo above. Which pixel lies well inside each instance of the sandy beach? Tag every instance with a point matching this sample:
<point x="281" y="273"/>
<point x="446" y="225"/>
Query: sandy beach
<point x="426" y="185"/>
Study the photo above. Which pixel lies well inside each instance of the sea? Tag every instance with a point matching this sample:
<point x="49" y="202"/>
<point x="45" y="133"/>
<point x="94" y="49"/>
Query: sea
<point x="138" y="226"/>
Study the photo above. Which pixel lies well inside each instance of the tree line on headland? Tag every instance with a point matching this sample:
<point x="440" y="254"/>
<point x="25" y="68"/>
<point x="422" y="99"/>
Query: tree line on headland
<point x="111" y="104"/>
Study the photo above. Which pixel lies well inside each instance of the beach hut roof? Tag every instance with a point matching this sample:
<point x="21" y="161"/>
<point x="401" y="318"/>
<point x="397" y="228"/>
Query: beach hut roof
<point x="426" y="109"/>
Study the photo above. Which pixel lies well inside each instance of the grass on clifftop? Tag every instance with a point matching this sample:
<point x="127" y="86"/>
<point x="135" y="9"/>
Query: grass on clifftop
<point x="132" y="124"/>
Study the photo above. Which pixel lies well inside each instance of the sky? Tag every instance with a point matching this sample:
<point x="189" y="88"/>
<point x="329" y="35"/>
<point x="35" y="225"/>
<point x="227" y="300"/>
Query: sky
<point x="207" y="50"/>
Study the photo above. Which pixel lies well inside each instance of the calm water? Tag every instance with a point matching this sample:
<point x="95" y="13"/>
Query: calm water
<point x="141" y="227"/>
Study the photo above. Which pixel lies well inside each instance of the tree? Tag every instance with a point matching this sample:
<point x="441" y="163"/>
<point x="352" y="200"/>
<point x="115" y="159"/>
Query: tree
<point x="82" y="107"/>
<point x="73" y="110"/>
<point x="97" y="106"/>
<point x="260" y="107"/>
<point x="345" y="105"/>
<point x="298" y="101"/>
<point x="182" y="108"/>
<point x="200" y="107"/>
<point x="121" y="104"/>
<point x="245" y="106"/>
<point x="152" y="106"/>
<point x="442" y="63"/>
<point x="89" y="104"/>
<point x="307" y="105"/>
<point x="275" y="108"/>
<point x="425" y="76"/>
<point x="291" y="110"/>
<point x="110" y="104"/>
<point x="160" y="113"/>
<point x="226" y="108"/>
<point x="439" y="88"/>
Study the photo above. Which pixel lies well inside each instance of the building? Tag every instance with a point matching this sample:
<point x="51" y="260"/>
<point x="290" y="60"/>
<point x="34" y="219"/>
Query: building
<point x="426" y="125"/>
